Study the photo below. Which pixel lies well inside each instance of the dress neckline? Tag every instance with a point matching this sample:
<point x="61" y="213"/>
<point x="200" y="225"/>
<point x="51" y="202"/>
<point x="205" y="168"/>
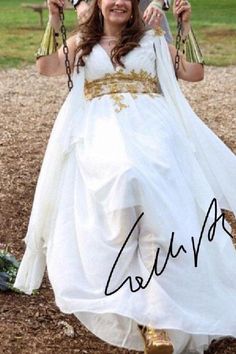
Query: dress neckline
<point x="108" y="57"/>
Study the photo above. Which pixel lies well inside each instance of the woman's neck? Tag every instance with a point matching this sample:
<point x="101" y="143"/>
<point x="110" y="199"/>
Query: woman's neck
<point x="112" y="31"/>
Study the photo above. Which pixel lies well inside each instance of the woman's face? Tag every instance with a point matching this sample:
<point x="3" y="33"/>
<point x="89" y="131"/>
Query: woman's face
<point x="116" y="12"/>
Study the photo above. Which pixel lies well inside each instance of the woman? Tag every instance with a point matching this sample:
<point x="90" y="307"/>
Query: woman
<point x="125" y="212"/>
<point x="152" y="11"/>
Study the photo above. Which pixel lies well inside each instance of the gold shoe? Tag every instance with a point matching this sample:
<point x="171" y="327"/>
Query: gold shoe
<point x="156" y="341"/>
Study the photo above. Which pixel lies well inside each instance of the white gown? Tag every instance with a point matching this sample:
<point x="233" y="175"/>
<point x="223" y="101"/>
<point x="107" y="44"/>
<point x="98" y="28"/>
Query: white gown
<point x="110" y="159"/>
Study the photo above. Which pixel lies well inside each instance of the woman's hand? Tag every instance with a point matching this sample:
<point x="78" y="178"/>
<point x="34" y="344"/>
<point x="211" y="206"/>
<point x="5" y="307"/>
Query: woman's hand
<point x="183" y="9"/>
<point x="54" y="15"/>
<point x="53" y="6"/>
<point x="153" y="15"/>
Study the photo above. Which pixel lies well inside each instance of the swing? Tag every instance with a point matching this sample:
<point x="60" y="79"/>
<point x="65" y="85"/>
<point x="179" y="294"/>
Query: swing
<point x="177" y="45"/>
<point x="65" y="49"/>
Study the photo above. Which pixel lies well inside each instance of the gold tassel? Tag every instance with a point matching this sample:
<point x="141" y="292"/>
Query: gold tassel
<point x="191" y="49"/>
<point x="48" y="44"/>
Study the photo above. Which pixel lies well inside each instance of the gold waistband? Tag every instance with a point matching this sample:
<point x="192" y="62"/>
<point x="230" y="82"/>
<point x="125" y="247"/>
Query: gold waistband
<point x="121" y="82"/>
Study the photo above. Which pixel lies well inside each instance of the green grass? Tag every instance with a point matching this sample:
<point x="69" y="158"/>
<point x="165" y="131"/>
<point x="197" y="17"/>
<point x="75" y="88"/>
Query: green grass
<point x="213" y="21"/>
<point x="21" y="33"/>
<point x="214" y="24"/>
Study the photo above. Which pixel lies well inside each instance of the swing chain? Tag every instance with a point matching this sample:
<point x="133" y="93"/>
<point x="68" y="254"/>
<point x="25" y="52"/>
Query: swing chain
<point x="65" y="49"/>
<point x="178" y="45"/>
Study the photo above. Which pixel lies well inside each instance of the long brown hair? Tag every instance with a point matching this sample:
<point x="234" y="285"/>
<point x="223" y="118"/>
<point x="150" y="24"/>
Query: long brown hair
<point x="91" y="31"/>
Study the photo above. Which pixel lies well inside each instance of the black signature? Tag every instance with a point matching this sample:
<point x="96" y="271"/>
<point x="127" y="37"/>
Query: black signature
<point x="196" y="248"/>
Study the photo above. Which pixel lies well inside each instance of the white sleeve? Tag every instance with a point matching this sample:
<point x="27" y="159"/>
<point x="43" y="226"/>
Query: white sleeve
<point x="216" y="160"/>
<point x="67" y="130"/>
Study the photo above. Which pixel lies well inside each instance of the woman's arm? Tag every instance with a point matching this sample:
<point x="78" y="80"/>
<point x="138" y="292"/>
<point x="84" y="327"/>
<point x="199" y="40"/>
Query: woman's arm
<point x="191" y="69"/>
<point x="54" y="64"/>
<point x="187" y="71"/>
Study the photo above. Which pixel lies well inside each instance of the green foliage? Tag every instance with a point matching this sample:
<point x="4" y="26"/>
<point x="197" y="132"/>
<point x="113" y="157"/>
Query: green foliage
<point x="8" y="270"/>
<point x="215" y="27"/>
<point x="21" y="32"/>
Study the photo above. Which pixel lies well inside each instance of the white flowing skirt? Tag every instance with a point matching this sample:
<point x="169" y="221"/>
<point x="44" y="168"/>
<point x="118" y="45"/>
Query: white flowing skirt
<point x="128" y="163"/>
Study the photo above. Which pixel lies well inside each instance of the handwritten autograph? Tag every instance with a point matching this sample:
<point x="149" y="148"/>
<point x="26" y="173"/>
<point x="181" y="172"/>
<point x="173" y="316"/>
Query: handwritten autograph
<point x="195" y="245"/>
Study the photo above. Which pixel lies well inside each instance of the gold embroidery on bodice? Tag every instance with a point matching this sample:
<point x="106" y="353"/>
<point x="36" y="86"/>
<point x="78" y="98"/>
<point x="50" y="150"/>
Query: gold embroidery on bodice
<point x="115" y="84"/>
